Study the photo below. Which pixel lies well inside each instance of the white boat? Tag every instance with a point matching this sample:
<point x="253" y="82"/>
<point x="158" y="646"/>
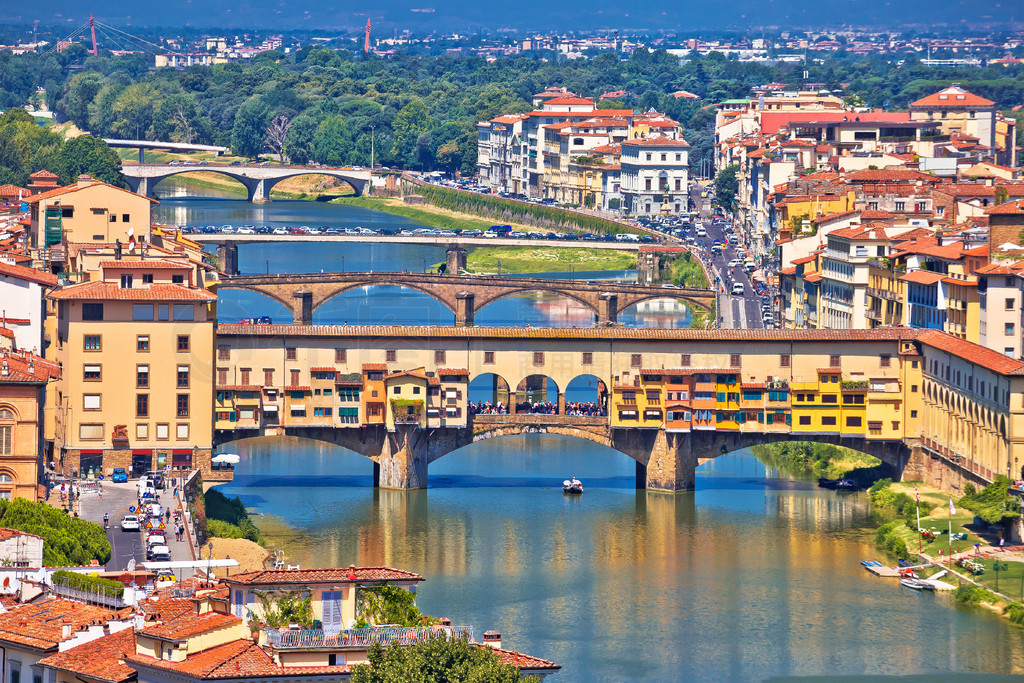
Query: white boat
<point x="572" y="486"/>
<point x="917" y="584"/>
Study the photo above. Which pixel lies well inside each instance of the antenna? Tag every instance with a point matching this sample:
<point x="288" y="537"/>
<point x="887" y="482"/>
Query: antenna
<point x="92" y="28"/>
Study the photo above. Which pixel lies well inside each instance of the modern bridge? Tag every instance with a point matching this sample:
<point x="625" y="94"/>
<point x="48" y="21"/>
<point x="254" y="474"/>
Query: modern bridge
<point x="258" y="180"/>
<point x="930" y="406"/>
<point x="462" y="294"/>
<point x="143" y="145"/>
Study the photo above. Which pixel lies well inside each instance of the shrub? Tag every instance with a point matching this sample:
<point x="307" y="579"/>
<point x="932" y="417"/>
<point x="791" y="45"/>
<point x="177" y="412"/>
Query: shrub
<point x="70" y="541"/>
<point x="228" y="518"/>
<point x="91" y="584"/>
<point x="969" y="594"/>
<point x="1015" y="612"/>
<point x="993" y="503"/>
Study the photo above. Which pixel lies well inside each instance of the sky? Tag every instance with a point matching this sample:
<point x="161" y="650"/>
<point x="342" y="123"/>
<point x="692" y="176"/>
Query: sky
<point x="449" y="15"/>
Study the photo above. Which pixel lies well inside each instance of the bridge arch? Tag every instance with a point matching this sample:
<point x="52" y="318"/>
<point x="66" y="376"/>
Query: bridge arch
<point x="583" y="301"/>
<point x="538" y="389"/>
<point x="270" y="183"/>
<point x="271" y="294"/>
<point x="490" y="387"/>
<point x="347" y="287"/>
<point x="154" y="182"/>
<point x="587" y="388"/>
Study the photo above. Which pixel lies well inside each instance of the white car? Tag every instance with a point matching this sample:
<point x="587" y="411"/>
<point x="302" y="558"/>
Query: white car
<point x="735" y="263"/>
<point x="246" y="230"/>
<point x="129" y="523"/>
<point x="280" y="231"/>
<point x="738" y="289"/>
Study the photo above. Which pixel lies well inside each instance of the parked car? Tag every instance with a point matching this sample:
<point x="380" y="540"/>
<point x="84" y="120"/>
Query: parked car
<point x="119" y="476"/>
<point x="130" y="523"/>
<point x="160" y="553"/>
<point x="738" y="288"/>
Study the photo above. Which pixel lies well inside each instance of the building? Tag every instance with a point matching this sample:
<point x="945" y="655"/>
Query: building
<point x="654" y="176"/>
<point x="20" y="549"/>
<point x="22" y="303"/>
<point x="137" y="349"/>
<point x="23" y="381"/>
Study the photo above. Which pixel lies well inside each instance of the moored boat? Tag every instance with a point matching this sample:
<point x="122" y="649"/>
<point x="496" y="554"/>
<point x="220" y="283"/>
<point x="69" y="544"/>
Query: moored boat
<point x="572" y="486"/>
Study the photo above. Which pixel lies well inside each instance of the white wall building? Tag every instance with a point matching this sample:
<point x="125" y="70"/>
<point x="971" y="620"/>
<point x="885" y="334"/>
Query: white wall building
<point x="655" y="176"/>
<point x="21" y="303"/>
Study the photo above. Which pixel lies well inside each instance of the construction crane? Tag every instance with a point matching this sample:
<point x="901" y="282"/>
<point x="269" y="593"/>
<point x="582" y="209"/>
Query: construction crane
<point x="366" y="42"/>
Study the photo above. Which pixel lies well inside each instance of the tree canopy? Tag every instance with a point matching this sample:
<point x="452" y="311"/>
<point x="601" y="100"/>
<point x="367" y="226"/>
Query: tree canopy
<point x="436" y="660"/>
<point x="70" y="541"/>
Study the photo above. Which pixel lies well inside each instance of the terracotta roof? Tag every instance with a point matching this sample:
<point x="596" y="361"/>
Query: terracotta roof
<point x="805" y="259"/>
<point x="570" y="100"/>
<point x="374" y="366"/>
<point x="145" y="264"/>
<point x="953" y="96"/>
<point x="235" y="659"/>
<point x="812" y="277"/>
<point x="453" y="371"/>
<point x="273" y="577"/>
<point x="167" y="608"/>
<point x="111" y="291"/>
<point x="44" y="174"/>
<point x="975" y="353"/>
<point x="26" y="368"/>
<point x="4" y="332"/>
<point x="923" y="277"/>
<point x="30" y="274"/>
<point x="81" y="185"/>
<point x="323" y="368"/>
<point x="103" y="658"/>
<point x="188" y="625"/>
<point x="40" y="625"/>
<point x="407" y="373"/>
<point x="524" y="661"/>
<point x="239" y="387"/>
<point x="1015" y="206"/>
<point x="656" y="142"/>
<point x="870" y="175"/>
<point x="6" y="534"/>
<point x="831" y="370"/>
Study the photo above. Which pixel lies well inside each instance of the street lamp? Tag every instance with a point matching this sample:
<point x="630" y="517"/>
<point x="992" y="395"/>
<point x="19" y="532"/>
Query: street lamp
<point x="499" y="266"/>
<point x="209" y="560"/>
<point x="997" y="567"/>
<point x="372" y="128"/>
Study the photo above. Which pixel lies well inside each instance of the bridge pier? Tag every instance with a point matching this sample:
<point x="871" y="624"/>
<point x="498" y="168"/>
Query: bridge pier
<point x="403" y="460"/>
<point x="227" y="254"/>
<point x="455" y="260"/>
<point x="259" y="193"/>
<point x="464" y="308"/>
<point x="607" y="309"/>
<point x="664" y="462"/>
<point x="302" y="310"/>
<point x="138" y="185"/>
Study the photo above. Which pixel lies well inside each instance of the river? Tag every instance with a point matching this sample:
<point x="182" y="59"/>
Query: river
<point x="754" y="576"/>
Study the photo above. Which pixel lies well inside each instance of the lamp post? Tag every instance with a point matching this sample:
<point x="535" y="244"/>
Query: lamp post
<point x="999" y="567"/>
<point x="372" y="129"/>
<point x="209" y="560"/>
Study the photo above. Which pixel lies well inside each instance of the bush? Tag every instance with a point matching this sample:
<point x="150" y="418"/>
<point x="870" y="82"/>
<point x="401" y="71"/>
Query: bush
<point x="969" y="594"/>
<point x="70" y="541"/>
<point x="1015" y="612"/>
<point x="92" y="584"/>
<point x="887" y="539"/>
<point x="227" y="518"/>
<point x="993" y="503"/>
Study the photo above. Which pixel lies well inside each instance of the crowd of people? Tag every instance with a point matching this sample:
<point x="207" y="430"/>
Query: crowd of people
<point x="585" y="409"/>
<point x="488" y="408"/>
<point x="537" y="407"/>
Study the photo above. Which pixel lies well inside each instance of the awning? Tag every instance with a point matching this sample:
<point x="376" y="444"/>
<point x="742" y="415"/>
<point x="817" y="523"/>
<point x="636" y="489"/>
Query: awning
<point x="142" y="451"/>
<point x="757" y="275"/>
<point x="182" y="451"/>
<point x="91" y="451"/>
<point x="227" y="458"/>
<point x="269" y="409"/>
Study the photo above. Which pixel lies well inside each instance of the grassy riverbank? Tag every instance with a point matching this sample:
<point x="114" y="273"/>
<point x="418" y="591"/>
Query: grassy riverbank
<point x="546" y="259"/>
<point x="806" y="458"/>
<point x="428" y="215"/>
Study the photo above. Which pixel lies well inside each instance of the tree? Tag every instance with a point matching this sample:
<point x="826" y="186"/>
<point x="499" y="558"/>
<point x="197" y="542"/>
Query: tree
<point x="726" y="185"/>
<point x="93" y="157"/>
<point x="277" y="135"/>
<point x="449" y="157"/>
<point x="332" y="144"/>
<point x="412" y="121"/>
<point x="250" y="129"/>
<point x="436" y="660"/>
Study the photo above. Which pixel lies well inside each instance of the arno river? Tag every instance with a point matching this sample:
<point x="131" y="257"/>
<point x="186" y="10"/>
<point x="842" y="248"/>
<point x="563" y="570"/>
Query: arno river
<point x="755" y="575"/>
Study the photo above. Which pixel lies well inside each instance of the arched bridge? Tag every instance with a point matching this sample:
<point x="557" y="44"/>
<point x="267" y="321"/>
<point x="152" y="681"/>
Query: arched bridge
<point x="258" y="180"/>
<point x="462" y="294"/>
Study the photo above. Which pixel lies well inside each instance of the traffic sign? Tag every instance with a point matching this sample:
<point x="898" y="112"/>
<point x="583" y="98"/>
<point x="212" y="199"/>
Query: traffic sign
<point x="131" y="508"/>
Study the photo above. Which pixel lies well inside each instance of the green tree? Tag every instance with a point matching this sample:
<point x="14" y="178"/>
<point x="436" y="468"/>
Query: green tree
<point x="81" y="90"/>
<point x="726" y="185"/>
<point x="250" y="128"/>
<point x="332" y="144"/>
<point x="437" y="660"/>
<point x="91" y="156"/>
<point x="410" y="123"/>
<point x="133" y="111"/>
<point x="449" y="157"/>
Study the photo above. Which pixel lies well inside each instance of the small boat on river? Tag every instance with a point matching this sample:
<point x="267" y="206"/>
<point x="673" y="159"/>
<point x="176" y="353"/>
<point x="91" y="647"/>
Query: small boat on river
<point x="572" y="486"/>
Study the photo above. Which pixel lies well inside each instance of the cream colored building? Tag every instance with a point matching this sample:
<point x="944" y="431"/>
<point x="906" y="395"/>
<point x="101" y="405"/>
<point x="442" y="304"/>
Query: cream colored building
<point x="23" y="381"/>
<point x="136" y="349"/>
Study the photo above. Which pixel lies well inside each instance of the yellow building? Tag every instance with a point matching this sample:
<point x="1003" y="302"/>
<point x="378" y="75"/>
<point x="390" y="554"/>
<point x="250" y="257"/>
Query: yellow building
<point x="23" y="380"/>
<point x="136" y="391"/>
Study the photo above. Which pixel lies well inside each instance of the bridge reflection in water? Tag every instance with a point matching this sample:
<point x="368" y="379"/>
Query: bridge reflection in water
<point x="769" y="563"/>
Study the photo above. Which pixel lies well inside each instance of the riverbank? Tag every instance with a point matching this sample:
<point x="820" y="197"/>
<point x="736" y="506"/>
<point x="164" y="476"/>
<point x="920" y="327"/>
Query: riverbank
<point x="808" y="458"/>
<point x="426" y="214"/>
<point x="546" y="260"/>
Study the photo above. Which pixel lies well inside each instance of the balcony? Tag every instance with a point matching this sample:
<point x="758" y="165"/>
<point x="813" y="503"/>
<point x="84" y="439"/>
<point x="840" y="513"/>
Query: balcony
<point x="362" y="638"/>
<point x="873" y="315"/>
<point x="886" y="294"/>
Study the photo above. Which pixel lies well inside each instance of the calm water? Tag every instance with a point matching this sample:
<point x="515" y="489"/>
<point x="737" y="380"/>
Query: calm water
<point x="374" y="305"/>
<point x="751" y="577"/>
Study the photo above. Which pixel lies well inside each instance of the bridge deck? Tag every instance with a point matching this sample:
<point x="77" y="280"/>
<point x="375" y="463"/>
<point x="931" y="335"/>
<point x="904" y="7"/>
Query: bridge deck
<point x="220" y="238"/>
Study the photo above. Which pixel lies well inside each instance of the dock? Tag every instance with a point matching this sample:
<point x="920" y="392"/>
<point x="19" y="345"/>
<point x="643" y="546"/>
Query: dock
<point x="888" y="572"/>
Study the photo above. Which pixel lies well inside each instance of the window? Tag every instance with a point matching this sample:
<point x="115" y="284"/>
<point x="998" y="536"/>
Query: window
<point x="439" y="356"/>
<point x="488" y="357"/>
<point x="90" y="432"/>
<point x="853" y="422"/>
<point x="391" y="355"/>
<point x="734" y="360"/>
<point x="636" y="360"/>
<point x="268" y="378"/>
<point x="245" y="376"/>
<point x="684" y="360"/>
<point x="828" y="421"/>
<point x="124" y="218"/>
<point x="91" y="342"/>
<point x="182" y="405"/>
<point x="289" y="353"/>
<point x="294" y="378"/>
<point x="913" y="388"/>
<point x="538" y="358"/>
<point x="92" y="373"/>
<point x="182" y="431"/>
<point x="588" y="358"/>
<point x="147" y="278"/>
<point x="1008" y="351"/>
<point x="223" y="352"/>
<point x="785" y="360"/>
<point x="1010" y="303"/>
<point x="183" y="377"/>
<point x="92" y="311"/>
<point x="178" y="279"/>
<point x="913" y="413"/>
<point x="163" y="312"/>
<point x="142" y="311"/>
<point x="142" y="342"/>
<point x="126" y="281"/>
<point x="142" y="376"/>
<point x="222" y="376"/>
<point x="142" y="431"/>
<point x="7" y="438"/>
<point x="90" y="401"/>
<point x="833" y="361"/>
<point x="183" y="343"/>
<point x="901" y="206"/>
<point x="829" y="398"/>
<point x="1008" y="329"/>
<point x="163" y="431"/>
<point x="184" y="312"/>
<point x="339" y="355"/>
<point x="805" y="420"/>
<point x="142" y="405"/>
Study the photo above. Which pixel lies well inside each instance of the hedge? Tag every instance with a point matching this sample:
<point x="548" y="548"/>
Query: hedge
<point x="91" y="584"/>
<point x="70" y="541"/>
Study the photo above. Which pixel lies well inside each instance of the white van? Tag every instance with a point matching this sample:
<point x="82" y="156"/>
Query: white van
<point x="738" y="289"/>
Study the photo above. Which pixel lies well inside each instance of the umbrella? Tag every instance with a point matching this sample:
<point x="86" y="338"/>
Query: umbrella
<point x="227" y="458"/>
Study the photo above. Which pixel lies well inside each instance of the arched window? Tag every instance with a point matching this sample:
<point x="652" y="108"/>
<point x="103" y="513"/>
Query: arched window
<point x="6" y="432"/>
<point x="6" y="478"/>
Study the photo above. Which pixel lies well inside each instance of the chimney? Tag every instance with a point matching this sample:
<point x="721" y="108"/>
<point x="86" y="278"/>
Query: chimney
<point x="31" y="365"/>
<point x="65" y="630"/>
<point x="351" y="572"/>
<point x="4" y="369"/>
<point x="492" y="639"/>
<point x="84" y="178"/>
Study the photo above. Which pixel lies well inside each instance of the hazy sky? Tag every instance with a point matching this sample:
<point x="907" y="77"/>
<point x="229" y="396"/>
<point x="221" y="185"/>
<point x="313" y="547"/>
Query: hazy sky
<point x="524" y="14"/>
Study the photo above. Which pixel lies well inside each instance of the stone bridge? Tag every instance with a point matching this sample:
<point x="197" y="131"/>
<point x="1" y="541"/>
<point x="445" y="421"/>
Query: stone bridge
<point x="665" y="461"/>
<point x="258" y="180"/>
<point x="462" y="294"/>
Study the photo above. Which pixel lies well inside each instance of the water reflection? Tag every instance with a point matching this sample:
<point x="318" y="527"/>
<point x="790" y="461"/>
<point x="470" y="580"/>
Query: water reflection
<point x="747" y="578"/>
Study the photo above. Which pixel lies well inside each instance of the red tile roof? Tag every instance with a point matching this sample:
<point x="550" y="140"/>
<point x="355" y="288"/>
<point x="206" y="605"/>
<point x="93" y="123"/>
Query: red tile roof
<point x="656" y="142"/>
<point x="569" y="100"/>
<point x="953" y="96"/>
<point x="234" y="659"/>
<point x="374" y="366"/>
<point x="923" y="277"/>
<point x="40" y="277"/>
<point x="523" y="661"/>
<point x="111" y="291"/>
<point x="102" y="659"/>
<point x="1015" y="206"/>
<point x="974" y="353"/>
<point x="40" y="625"/>
<point x="81" y="185"/>
<point x="453" y="371"/>
<point x="145" y="264"/>
<point x="239" y="387"/>
<point x="26" y="368"/>
<point x="191" y="624"/>
<point x="274" y="577"/>
<point x="871" y="175"/>
<point x="6" y="534"/>
<point x="323" y="369"/>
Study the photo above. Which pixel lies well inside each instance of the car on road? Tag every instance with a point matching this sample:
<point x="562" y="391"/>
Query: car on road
<point x="130" y="523"/>
<point x="264" y="320"/>
<point x="246" y="230"/>
<point x="119" y="476"/>
<point x="735" y="263"/>
<point x="160" y="553"/>
<point x="280" y="231"/>
<point x="738" y="288"/>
